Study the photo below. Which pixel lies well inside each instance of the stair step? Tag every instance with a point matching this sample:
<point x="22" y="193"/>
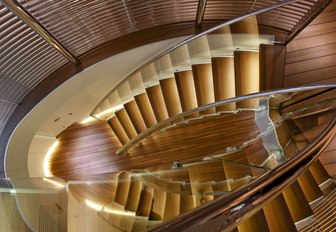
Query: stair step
<point x="118" y="130"/>
<point x="224" y="81"/>
<point x="186" y="89"/>
<point x="246" y="76"/>
<point x="202" y="74"/>
<point x="171" y="96"/>
<point x="145" y="109"/>
<point x="135" y="116"/>
<point x="126" y="123"/>
<point x="156" y="99"/>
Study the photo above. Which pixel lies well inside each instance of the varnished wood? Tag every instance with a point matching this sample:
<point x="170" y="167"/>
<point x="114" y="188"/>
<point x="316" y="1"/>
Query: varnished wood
<point x="156" y="99"/>
<point x="122" y="188"/>
<point x="133" y="196"/>
<point x="172" y="208"/>
<point x="224" y="81"/>
<point x="278" y="216"/>
<point x="309" y="186"/>
<point x="135" y="116"/>
<point x="310" y="57"/>
<point x="186" y="89"/>
<point x="159" y="200"/>
<point x="118" y="130"/>
<point x="246" y="76"/>
<point x="319" y="173"/>
<point x="84" y="149"/>
<point x="146" y="110"/>
<point x="126" y="123"/>
<point x="272" y="61"/>
<point x="255" y="223"/>
<point x="202" y="74"/>
<point x="145" y="202"/>
<point x="171" y="96"/>
<point x="297" y="203"/>
<point x="187" y="201"/>
<point x="246" y="26"/>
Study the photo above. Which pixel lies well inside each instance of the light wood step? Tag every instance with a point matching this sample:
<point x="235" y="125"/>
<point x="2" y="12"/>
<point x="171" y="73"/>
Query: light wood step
<point x="296" y="202"/>
<point x="118" y="130"/>
<point x="145" y="109"/>
<point x="156" y="99"/>
<point x="309" y="186"/>
<point x="186" y="89"/>
<point x="256" y="223"/>
<point x="123" y="187"/>
<point x="133" y="195"/>
<point x="172" y="207"/>
<point x="246" y="76"/>
<point x="171" y="96"/>
<point x="126" y="123"/>
<point x="278" y="215"/>
<point x="203" y="80"/>
<point x="224" y="81"/>
<point x="145" y="202"/>
<point x="135" y="116"/>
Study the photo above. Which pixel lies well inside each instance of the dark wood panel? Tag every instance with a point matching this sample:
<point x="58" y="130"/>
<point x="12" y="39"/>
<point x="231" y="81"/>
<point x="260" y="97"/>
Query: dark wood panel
<point x="94" y="153"/>
<point x="311" y="56"/>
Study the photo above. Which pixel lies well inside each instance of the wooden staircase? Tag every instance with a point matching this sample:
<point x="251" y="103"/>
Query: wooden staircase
<point x="209" y="69"/>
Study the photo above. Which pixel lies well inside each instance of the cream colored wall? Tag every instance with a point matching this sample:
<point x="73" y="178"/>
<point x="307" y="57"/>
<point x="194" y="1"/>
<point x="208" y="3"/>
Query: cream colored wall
<point x="77" y="96"/>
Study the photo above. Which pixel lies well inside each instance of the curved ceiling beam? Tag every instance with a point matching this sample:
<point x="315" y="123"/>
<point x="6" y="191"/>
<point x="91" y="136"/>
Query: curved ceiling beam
<point x="26" y="17"/>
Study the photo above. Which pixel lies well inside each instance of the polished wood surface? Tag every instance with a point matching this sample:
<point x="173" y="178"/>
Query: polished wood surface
<point x="171" y="96"/>
<point x="246" y="76"/>
<point x="118" y="130"/>
<point x="297" y="203"/>
<point x="126" y="123"/>
<point x="146" y="110"/>
<point x="135" y="116"/>
<point x="224" y="81"/>
<point x="310" y="57"/>
<point x="186" y="89"/>
<point x="255" y="223"/>
<point x="272" y="61"/>
<point x="204" y="87"/>
<point x="156" y="99"/>
<point x="90" y="148"/>
<point x="278" y="216"/>
<point x="309" y="186"/>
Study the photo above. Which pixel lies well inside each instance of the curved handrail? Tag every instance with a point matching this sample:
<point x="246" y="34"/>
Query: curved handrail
<point x="227" y="210"/>
<point x="169" y="50"/>
<point x="146" y="133"/>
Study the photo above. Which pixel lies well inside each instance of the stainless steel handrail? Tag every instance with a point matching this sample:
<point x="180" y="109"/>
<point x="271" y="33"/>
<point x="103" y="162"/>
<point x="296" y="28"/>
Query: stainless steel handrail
<point x="169" y="50"/>
<point x="147" y="132"/>
<point x="223" y="214"/>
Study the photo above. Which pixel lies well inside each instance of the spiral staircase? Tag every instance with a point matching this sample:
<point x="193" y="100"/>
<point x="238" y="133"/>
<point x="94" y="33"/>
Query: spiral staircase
<point x="265" y="177"/>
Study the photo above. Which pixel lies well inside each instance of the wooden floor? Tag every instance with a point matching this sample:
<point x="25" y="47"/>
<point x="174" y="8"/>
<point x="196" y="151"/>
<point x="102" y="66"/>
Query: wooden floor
<point x="86" y="149"/>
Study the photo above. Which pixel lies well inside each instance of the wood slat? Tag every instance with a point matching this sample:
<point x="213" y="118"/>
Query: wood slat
<point x="133" y="196"/>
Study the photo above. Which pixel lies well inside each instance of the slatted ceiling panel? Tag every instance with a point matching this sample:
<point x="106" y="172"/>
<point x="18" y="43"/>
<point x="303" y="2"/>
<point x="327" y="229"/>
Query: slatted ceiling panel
<point x="6" y="109"/>
<point x="218" y="9"/>
<point x="83" y="25"/>
<point x="25" y="57"/>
